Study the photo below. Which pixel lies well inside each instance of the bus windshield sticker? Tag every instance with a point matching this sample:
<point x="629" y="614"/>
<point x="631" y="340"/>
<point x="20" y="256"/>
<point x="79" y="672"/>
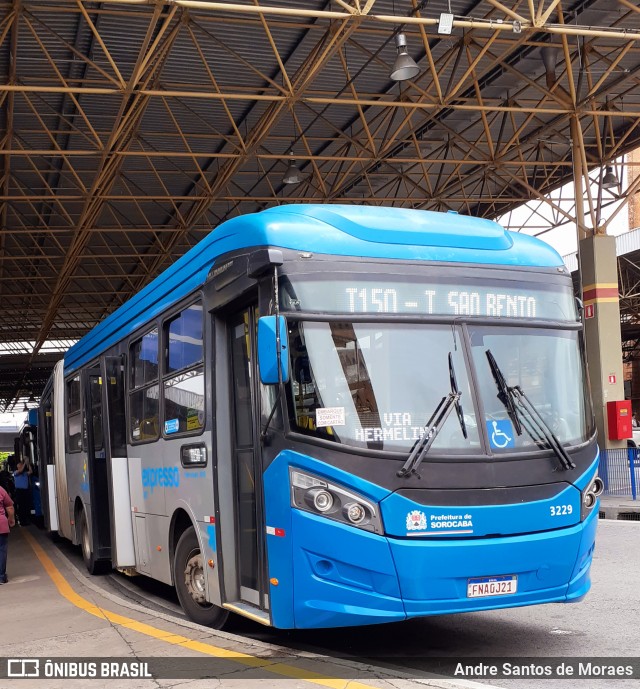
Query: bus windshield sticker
<point x="501" y="434"/>
<point x="330" y="416"/>
<point x="171" y="426"/>
<point x="193" y="422"/>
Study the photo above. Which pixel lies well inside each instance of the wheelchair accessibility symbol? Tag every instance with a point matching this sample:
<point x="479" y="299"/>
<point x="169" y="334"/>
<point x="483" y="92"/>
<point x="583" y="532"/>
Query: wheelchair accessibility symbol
<point x="500" y="434"/>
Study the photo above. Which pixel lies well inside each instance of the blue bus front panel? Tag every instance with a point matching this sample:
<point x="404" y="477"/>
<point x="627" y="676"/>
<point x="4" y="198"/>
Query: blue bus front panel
<point x="434" y="575"/>
<point x="342" y="576"/>
<point x="405" y="518"/>
<point x="331" y="574"/>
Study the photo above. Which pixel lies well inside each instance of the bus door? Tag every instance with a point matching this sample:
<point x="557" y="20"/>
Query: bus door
<point x="30" y="441"/>
<point x="47" y="462"/>
<point x="117" y="463"/>
<point x="97" y="464"/>
<point x="250" y="529"/>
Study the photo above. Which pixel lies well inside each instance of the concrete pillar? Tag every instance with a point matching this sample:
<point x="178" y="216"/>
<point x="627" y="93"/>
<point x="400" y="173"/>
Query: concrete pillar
<point x="599" y="277"/>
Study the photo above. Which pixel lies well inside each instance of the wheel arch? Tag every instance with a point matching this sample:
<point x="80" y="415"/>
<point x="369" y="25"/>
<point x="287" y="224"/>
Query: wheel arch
<point x="78" y="509"/>
<point x="181" y="520"/>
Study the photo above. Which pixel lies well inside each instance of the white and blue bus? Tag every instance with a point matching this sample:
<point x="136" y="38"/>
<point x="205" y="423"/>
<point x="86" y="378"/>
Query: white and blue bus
<point x="330" y="415"/>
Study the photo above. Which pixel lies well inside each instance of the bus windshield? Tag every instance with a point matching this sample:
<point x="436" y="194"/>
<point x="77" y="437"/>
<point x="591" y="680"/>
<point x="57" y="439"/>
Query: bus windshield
<point x="375" y="385"/>
<point x="549" y="370"/>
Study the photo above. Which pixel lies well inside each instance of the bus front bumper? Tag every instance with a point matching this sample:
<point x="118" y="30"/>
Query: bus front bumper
<point x="343" y="576"/>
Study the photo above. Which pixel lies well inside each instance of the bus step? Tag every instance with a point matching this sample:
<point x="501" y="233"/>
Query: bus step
<point x="250" y="611"/>
<point x="128" y="571"/>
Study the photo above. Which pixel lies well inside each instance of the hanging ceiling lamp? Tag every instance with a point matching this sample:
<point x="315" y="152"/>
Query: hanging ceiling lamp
<point x="405" y="66"/>
<point x="292" y="174"/>
<point x="609" y="181"/>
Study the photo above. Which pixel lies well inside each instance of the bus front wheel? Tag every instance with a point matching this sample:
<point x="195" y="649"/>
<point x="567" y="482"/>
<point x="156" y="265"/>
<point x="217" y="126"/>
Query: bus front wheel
<point x="189" y="578"/>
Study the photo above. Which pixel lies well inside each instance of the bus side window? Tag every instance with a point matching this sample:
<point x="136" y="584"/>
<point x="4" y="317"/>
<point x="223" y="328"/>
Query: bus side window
<point x="183" y="386"/>
<point x="95" y="395"/>
<point x="144" y="397"/>
<point x="115" y="370"/>
<point x="74" y="415"/>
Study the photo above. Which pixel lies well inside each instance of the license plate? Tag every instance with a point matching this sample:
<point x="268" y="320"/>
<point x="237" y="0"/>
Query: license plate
<point x="480" y="587"/>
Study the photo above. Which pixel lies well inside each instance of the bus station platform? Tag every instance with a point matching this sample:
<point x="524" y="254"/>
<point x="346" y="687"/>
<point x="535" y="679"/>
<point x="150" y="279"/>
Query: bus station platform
<point x="60" y="623"/>
<point x="622" y="508"/>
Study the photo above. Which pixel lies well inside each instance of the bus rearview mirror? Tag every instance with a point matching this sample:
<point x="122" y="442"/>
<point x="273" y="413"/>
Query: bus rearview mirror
<point x="270" y="330"/>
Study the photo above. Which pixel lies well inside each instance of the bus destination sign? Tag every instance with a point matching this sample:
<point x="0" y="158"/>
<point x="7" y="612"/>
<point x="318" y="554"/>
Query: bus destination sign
<point x="442" y="301"/>
<point x="508" y="299"/>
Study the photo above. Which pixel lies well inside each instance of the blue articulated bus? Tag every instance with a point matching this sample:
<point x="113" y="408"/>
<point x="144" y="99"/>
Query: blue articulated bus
<point x="331" y="415"/>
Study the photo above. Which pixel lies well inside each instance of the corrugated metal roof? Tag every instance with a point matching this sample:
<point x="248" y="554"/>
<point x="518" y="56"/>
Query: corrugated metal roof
<point x="626" y="243"/>
<point x="103" y="155"/>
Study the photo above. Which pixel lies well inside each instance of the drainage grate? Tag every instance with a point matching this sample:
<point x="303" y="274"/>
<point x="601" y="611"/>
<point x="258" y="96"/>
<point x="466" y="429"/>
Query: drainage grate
<point x="629" y="516"/>
<point x="601" y="514"/>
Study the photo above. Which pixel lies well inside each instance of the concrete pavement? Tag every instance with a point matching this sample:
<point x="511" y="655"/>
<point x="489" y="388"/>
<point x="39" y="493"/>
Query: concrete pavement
<point x="615" y="507"/>
<point x="49" y="610"/>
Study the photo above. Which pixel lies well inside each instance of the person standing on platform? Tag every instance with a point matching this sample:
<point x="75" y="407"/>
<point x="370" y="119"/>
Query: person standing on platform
<point x="23" y="492"/>
<point x="7" y="520"/>
<point x="6" y="476"/>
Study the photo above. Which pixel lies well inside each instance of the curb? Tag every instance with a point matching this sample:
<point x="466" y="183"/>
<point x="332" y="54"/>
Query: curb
<point x="254" y="646"/>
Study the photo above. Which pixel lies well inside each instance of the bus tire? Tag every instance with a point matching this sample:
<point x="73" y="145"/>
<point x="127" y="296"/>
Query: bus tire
<point x="93" y="565"/>
<point x="188" y="575"/>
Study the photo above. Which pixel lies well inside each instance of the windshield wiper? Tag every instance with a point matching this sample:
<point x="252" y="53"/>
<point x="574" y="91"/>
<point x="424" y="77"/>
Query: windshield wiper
<point x="509" y="396"/>
<point x="455" y="390"/>
<point x="434" y="425"/>
<point x="543" y="427"/>
<point x="505" y="393"/>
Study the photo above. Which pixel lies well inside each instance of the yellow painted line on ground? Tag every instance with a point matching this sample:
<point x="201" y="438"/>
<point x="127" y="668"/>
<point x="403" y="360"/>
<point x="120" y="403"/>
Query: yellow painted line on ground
<point x="282" y="669"/>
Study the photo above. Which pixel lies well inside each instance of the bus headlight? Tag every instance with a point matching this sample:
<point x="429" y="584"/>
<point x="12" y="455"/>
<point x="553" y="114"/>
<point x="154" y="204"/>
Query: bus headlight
<point x="590" y="496"/>
<point x="315" y="495"/>
<point x="321" y="498"/>
<point x="355" y="513"/>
